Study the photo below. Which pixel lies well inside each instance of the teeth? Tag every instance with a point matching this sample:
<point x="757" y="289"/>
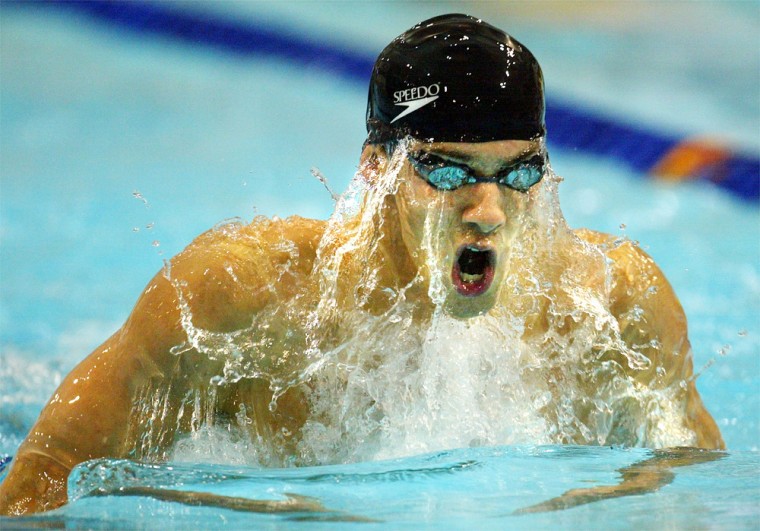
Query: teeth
<point x="466" y="277"/>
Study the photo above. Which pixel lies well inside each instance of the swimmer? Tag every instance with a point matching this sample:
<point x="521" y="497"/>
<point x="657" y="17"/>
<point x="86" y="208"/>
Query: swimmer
<point x="446" y="303"/>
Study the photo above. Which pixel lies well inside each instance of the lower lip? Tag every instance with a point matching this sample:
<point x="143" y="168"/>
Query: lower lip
<point x="471" y="289"/>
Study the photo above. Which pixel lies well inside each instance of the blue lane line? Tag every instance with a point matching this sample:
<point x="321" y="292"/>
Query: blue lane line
<point x="220" y="33"/>
<point x="569" y="127"/>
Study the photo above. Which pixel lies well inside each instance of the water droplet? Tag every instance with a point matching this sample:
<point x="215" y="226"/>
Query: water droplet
<point x="137" y="195"/>
<point x="179" y="349"/>
<point x="321" y="178"/>
<point x="542" y="400"/>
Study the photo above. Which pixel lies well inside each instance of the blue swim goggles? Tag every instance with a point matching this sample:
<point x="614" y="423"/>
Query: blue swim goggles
<point x="444" y="174"/>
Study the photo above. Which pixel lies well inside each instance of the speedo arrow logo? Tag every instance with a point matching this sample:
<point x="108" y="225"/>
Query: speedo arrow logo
<point x="415" y="98"/>
<point x="414" y="105"/>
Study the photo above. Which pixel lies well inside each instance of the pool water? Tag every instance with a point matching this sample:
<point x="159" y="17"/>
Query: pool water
<point x="117" y="148"/>
<point x="475" y="488"/>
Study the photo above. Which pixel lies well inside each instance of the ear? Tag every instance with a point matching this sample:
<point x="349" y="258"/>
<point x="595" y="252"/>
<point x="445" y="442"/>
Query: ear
<point x="373" y="161"/>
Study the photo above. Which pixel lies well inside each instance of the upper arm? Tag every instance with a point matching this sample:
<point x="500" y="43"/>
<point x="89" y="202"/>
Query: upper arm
<point x="651" y="318"/>
<point x="89" y="415"/>
<point x="214" y="286"/>
<point x="653" y="323"/>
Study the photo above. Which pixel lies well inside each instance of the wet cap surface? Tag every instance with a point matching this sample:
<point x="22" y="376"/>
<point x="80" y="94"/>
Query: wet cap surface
<point x="455" y="78"/>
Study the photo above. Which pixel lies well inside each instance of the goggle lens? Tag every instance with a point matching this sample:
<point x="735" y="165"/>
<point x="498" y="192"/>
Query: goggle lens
<point x="447" y="175"/>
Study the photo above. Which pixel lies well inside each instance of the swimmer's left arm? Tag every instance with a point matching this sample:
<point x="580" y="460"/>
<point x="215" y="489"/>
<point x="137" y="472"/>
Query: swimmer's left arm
<point x="653" y="323"/>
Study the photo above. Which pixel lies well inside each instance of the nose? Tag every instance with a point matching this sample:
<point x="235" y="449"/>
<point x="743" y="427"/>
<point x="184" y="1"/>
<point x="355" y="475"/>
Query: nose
<point x="485" y="208"/>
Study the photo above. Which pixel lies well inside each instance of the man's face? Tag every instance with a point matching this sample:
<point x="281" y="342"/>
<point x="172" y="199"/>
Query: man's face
<point x="461" y="239"/>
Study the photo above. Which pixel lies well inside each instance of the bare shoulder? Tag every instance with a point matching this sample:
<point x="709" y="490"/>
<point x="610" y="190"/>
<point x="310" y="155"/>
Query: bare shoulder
<point x="267" y="242"/>
<point x="652" y="321"/>
<point x="649" y="314"/>
<point x="636" y="276"/>
<point x="236" y="269"/>
<point x="272" y="251"/>
<point x="623" y="252"/>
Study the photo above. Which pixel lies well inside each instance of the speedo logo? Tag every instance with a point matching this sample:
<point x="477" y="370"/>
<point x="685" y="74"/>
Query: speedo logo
<point x="415" y="98"/>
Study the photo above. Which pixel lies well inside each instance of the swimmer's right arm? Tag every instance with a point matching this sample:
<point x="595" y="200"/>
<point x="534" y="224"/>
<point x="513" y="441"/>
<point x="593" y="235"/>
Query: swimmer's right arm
<point x="85" y="419"/>
<point x="89" y="414"/>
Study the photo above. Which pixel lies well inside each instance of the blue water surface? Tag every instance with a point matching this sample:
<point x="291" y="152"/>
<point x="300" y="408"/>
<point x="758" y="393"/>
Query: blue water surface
<point x="477" y="488"/>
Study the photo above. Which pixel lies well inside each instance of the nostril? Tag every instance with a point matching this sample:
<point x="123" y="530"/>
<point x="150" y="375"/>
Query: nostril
<point x="485" y="219"/>
<point x="485" y="208"/>
<point x="488" y="228"/>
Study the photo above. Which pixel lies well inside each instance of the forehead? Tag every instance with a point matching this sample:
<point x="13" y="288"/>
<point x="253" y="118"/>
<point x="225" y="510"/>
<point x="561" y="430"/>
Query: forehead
<point x="500" y="149"/>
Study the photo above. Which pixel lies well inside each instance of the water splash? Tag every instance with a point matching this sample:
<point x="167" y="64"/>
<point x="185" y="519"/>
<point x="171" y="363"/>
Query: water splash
<point x="379" y="378"/>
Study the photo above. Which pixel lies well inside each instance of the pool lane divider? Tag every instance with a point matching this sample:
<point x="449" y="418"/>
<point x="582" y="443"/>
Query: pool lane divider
<point x="570" y="126"/>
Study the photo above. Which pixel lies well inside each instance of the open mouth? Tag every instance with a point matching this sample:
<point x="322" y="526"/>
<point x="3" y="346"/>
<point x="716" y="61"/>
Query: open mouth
<point x="473" y="270"/>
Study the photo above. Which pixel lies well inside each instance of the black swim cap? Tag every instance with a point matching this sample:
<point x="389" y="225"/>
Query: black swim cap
<point x="455" y="78"/>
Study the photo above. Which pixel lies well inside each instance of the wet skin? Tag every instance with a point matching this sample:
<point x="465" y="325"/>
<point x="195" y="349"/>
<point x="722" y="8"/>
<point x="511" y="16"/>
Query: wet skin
<point x="226" y="279"/>
<point x="481" y="215"/>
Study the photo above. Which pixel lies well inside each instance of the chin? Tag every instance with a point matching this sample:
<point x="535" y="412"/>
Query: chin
<point x="461" y="307"/>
